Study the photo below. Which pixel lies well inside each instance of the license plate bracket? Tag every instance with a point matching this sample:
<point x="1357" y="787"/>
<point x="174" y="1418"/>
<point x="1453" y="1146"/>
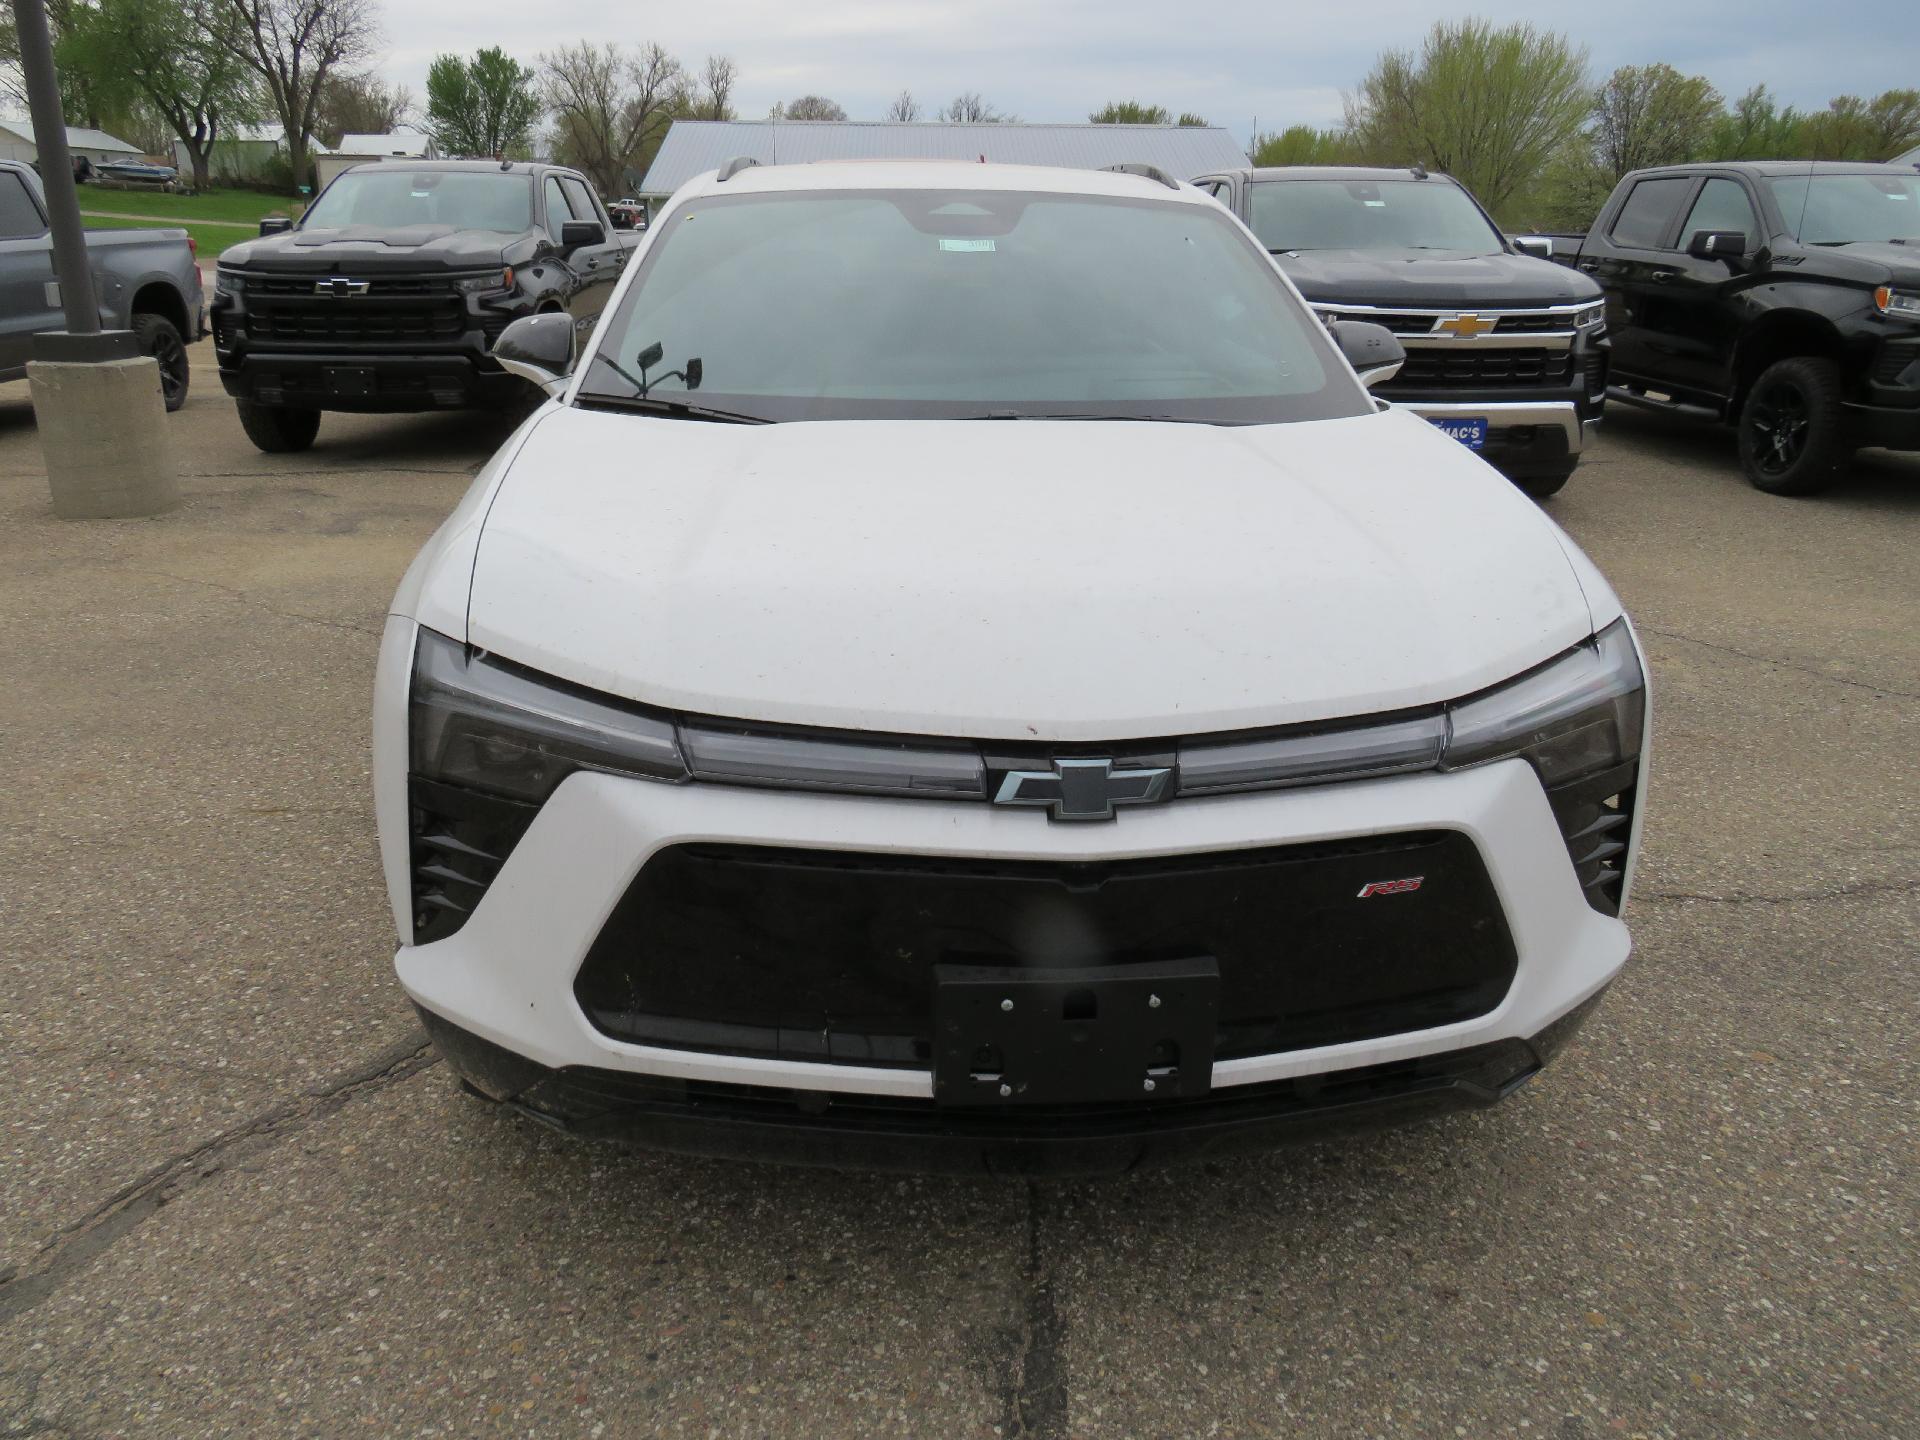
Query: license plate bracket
<point x="350" y="380"/>
<point x="1470" y="430"/>
<point x="1014" y="1035"/>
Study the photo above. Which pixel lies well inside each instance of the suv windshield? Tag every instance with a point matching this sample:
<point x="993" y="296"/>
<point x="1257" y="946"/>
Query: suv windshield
<point x="1846" y="209"/>
<point x="1369" y="215"/>
<point x="391" y="197"/>
<point x="966" y="304"/>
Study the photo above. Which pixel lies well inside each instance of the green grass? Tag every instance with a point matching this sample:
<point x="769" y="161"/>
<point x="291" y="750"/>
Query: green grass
<point x="211" y="239"/>
<point x="245" y="206"/>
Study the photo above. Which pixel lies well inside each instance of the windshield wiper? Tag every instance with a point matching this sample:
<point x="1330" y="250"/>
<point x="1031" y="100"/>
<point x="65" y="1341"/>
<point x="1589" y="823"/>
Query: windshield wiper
<point x="671" y="408"/>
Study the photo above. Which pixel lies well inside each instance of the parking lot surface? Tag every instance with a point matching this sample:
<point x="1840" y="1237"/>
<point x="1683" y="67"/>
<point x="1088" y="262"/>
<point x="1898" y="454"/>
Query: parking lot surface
<point x="238" y="1197"/>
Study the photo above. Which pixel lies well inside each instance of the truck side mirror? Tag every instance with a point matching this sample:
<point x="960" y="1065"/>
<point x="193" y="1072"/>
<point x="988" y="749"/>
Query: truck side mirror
<point x="1374" y="351"/>
<point x="1538" y="246"/>
<point x="275" y="225"/>
<point x="538" y="348"/>
<point x="578" y="234"/>
<point x="1718" y="245"/>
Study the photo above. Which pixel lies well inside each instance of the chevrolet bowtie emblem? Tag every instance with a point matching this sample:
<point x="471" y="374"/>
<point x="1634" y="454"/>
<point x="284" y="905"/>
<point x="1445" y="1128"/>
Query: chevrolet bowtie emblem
<point x="340" y="288"/>
<point x="1083" y="789"/>
<point x="1463" y="327"/>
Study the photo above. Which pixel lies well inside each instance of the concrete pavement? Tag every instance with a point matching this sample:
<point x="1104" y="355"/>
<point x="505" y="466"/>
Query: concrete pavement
<point x="237" y="1196"/>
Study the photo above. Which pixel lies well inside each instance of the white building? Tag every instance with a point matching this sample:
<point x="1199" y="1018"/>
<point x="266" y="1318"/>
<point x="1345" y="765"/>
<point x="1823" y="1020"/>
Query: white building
<point x="362" y="149"/>
<point x="16" y="143"/>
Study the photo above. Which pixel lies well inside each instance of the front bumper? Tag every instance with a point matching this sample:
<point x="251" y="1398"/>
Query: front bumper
<point x="1887" y="426"/>
<point x="363" y="383"/>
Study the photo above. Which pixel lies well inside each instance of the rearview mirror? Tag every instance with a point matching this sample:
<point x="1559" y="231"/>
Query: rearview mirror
<point x="1374" y="351"/>
<point x="1538" y="246"/>
<point x="275" y="225"/>
<point x="538" y="348"/>
<point x="1717" y="245"/>
<point x="577" y="234"/>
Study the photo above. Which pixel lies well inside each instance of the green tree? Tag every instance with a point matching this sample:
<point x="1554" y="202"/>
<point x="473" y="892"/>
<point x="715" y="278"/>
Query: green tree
<point x="1130" y="112"/>
<point x="1488" y="106"/>
<point x="1650" y="115"/>
<point x="1304" y="145"/>
<point x="1854" y="129"/>
<point x="179" y="55"/>
<point x="1754" y="128"/>
<point x="1191" y="120"/>
<point x="481" y="107"/>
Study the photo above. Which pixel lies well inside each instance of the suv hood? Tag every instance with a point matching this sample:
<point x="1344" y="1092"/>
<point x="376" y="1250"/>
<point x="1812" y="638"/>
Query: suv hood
<point x="366" y="248"/>
<point x="1433" y="279"/>
<point x="1018" y="580"/>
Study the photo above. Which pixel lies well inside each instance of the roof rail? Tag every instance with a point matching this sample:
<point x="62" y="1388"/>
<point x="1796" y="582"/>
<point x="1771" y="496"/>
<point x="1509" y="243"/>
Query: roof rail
<point x="1150" y="172"/>
<point x="734" y="166"/>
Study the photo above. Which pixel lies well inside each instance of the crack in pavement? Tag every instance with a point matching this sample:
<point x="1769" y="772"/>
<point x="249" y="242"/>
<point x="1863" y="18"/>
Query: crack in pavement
<point x="244" y="598"/>
<point x="1034" y="1404"/>
<point x="1839" y="892"/>
<point x="1793" y="665"/>
<point x="122" y="1212"/>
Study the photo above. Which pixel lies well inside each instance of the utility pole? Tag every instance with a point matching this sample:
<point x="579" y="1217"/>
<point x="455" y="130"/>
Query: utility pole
<point x="96" y="398"/>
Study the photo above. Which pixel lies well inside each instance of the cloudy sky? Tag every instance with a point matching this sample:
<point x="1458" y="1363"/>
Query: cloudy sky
<point x="1231" y="60"/>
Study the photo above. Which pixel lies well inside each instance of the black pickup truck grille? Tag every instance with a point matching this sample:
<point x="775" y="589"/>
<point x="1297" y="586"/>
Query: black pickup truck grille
<point x="307" y="310"/>
<point x="1450" y="369"/>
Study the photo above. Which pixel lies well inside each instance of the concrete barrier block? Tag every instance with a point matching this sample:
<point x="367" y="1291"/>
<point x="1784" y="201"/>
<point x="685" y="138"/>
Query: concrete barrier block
<point x="103" y="429"/>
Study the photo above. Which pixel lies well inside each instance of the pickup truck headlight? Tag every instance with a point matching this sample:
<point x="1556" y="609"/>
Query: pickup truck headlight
<point x="1582" y="713"/>
<point x="1589" y="316"/>
<point x="1897" y="302"/>
<point x="490" y="283"/>
<point x="228" y="282"/>
<point x="483" y="725"/>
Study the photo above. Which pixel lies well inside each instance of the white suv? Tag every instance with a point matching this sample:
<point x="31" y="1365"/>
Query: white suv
<point x="961" y="672"/>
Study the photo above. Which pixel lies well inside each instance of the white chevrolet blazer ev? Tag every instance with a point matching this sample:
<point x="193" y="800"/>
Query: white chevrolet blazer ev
<point x="960" y="672"/>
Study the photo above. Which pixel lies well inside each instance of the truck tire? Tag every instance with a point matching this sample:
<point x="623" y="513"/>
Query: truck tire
<point x="278" y="429"/>
<point x="160" y="338"/>
<point x="1792" y="431"/>
<point x="1546" y="480"/>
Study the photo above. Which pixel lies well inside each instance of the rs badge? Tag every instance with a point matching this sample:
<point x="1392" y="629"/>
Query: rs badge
<point x="1390" y="887"/>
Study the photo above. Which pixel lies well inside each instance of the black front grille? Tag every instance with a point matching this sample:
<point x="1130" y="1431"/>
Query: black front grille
<point x="1449" y="368"/>
<point x="1596" y="816"/>
<point x="400" y="310"/>
<point x="827" y="955"/>
<point x="459" y="840"/>
<point x="1889" y="368"/>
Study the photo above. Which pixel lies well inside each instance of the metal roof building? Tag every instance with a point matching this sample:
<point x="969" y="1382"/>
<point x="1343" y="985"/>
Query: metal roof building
<point x="695" y="146"/>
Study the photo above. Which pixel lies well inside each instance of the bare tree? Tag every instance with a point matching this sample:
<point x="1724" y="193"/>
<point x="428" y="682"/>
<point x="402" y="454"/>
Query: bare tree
<point x="359" y="105"/>
<point x="904" y="107"/>
<point x="971" y="109"/>
<point x="1651" y="115"/>
<point x="807" y="107"/>
<point x="295" y="45"/>
<point x="610" y="108"/>
<point x="713" y="99"/>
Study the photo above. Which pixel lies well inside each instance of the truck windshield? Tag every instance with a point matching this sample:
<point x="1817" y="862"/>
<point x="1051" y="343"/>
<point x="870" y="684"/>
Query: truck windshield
<point x="1369" y="215"/>
<point x="1848" y="209"/>
<point x="965" y="304"/>
<point x="392" y="197"/>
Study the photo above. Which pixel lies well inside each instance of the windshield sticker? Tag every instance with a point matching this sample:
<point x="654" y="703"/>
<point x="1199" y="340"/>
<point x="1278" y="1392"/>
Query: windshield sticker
<point x="966" y="247"/>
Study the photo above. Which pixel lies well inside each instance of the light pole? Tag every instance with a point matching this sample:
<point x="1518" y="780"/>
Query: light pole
<point x="96" y="398"/>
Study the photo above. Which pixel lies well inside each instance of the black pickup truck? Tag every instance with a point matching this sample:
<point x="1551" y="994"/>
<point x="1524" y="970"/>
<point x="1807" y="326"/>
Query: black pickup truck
<point x="390" y="291"/>
<point x="1781" y="297"/>
<point x="1506" y="351"/>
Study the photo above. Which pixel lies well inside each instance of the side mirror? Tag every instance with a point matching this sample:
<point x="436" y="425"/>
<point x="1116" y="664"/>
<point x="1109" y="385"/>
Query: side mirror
<point x="275" y="225"/>
<point x="1538" y="246"/>
<point x="1718" y="245"/>
<point x="577" y="234"/>
<point x="1374" y="351"/>
<point x="538" y="348"/>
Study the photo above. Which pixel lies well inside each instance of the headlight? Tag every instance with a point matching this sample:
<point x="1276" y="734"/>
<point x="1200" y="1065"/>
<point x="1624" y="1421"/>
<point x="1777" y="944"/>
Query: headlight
<point x="1579" y="715"/>
<point x="490" y="727"/>
<point x="485" y="284"/>
<point x="1895" y="302"/>
<point x="228" y="282"/>
<point x="1590" y="316"/>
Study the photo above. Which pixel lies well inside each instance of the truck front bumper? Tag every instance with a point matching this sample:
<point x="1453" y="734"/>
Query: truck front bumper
<point x="1520" y="433"/>
<point x="367" y="383"/>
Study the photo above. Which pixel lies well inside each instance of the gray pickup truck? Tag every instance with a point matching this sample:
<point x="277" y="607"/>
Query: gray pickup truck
<point x="147" y="282"/>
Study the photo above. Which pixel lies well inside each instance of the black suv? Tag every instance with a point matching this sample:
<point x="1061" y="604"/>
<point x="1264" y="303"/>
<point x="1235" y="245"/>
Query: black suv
<point x="391" y="290"/>
<point x="1506" y="351"/>
<point x="1780" y="295"/>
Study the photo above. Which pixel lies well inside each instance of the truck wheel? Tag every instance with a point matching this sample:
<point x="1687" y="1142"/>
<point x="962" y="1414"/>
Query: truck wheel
<point x="277" y="429"/>
<point x="1544" y="482"/>
<point x="1792" y="435"/>
<point x="158" y="338"/>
